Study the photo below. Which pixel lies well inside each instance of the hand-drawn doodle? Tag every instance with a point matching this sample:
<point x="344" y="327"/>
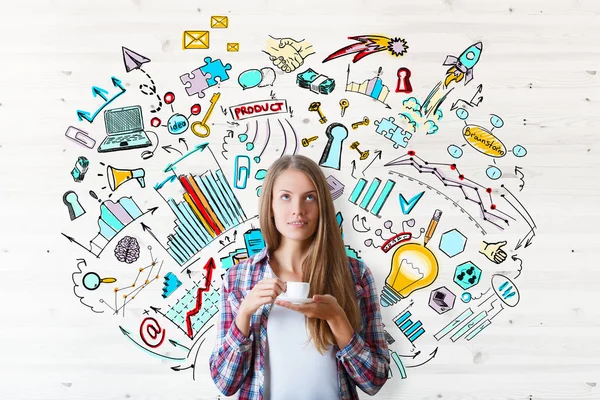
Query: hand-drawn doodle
<point x="373" y="88"/>
<point x="219" y="21"/>
<point x="363" y="154"/>
<point x="133" y="61"/>
<point x="241" y="171"/>
<point x="127" y="250"/>
<point x="493" y="251"/>
<point x="81" y="167"/>
<point x="80" y="137"/>
<point x="344" y="103"/>
<point x="258" y="109"/>
<point x="467" y="275"/>
<point x="424" y="167"/>
<point x="435" y="219"/>
<point x="332" y="154"/>
<point x="408" y="205"/>
<point x="116" y="176"/>
<point x="414" y="267"/>
<point x="462" y="67"/>
<point x="197" y="80"/>
<point x="71" y="200"/>
<point x="99" y="92"/>
<point x="306" y="141"/>
<point x="365" y="121"/>
<point x="315" y="82"/>
<point x="177" y="123"/>
<point x="208" y="207"/>
<point x="336" y="188"/>
<point x="257" y="77"/>
<point x="92" y="281"/>
<point x="393" y="132"/>
<point x="370" y="44"/>
<point x="469" y="103"/>
<point x="196" y="40"/>
<point x="170" y="284"/>
<point x="370" y="194"/>
<point x="287" y="54"/>
<point x="403" y="85"/>
<point x="151" y="332"/>
<point x="455" y="151"/>
<point x="133" y="289"/>
<point x="124" y="130"/>
<point x="442" y="300"/>
<point x="113" y="218"/>
<point x="200" y="128"/>
<point x="316" y="106"/>
<point x="452" y="243"/>
<point x="412" y="330"/>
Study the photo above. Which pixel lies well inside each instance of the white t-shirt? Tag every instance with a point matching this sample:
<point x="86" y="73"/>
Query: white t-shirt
<point x="294" y="369"/>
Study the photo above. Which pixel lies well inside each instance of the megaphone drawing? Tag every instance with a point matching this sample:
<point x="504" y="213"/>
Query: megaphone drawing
<point x="116" y="177"/>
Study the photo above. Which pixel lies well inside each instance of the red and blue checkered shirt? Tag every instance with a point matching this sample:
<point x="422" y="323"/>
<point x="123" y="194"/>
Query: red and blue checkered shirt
<point x="237" y="362"/>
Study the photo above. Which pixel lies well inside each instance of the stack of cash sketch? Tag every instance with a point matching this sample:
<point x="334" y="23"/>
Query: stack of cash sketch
<point x="317" y="83"/>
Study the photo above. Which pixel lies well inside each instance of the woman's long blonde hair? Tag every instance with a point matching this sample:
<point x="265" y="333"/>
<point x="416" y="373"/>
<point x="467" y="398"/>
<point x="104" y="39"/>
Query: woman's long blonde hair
<point x="326" y="264"/>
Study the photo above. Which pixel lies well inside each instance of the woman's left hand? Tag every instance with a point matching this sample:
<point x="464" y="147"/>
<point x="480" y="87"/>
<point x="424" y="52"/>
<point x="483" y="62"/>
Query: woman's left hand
<point x="325" y="306"/>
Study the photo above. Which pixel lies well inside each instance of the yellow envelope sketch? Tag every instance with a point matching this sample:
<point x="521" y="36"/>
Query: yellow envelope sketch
<point x="195" y="40"/>
<point x="217" y="21"/>
<point x="233" y="47"/>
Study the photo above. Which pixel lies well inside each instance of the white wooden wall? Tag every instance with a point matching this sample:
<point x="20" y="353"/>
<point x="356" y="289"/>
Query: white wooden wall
<point x="539" y="71"/>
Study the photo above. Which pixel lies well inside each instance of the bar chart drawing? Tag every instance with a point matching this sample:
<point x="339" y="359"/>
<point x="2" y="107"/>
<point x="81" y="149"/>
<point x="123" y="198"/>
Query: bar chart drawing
<point x="114" y="217"/>
<point x="370" y="194"/>
<point x="204" y="206"/>
<point x="412" y="330"/>
<point x="373" y="88"/>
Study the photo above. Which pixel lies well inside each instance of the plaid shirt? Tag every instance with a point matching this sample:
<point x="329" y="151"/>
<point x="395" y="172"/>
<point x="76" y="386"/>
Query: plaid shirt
<point x="237" y="362"/>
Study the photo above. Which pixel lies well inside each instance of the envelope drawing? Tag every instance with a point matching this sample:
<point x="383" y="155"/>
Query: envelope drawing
<point x="195" y="40"/>
<point x="233" y="47"/>
<point x="217" y="21"/>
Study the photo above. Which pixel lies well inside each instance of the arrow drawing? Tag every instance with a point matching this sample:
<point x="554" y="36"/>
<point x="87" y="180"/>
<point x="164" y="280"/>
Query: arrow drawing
<point x="377" y="156"/>
<point x="97" y="91"/>
<point x="209" y="268"/>
<point x="363" y="219"/>
<point x="167" y="147"/>
<point x="515" y="258"/>
<point x="155" y="354"/>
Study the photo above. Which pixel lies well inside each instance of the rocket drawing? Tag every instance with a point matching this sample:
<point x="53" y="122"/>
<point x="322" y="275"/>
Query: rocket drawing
<point x="463" y="65"/>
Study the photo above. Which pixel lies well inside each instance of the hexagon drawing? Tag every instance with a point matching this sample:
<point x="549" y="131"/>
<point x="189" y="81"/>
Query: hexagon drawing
<point x="442" y="300"/>
<point x="467" y="275"/>
<point x="453" y="243"/>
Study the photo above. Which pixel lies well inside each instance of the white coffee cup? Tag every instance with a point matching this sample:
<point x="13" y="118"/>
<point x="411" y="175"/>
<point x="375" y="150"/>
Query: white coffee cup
<point x="297" y="290"/>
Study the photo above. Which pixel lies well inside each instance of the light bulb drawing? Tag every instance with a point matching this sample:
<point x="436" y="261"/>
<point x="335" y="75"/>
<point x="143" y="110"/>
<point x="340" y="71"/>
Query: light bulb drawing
<point x="414" y="267"/>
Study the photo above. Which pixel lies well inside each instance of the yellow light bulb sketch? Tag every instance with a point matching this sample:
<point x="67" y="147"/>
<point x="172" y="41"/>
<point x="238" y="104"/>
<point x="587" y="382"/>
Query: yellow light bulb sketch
<point x="413" y="267"/>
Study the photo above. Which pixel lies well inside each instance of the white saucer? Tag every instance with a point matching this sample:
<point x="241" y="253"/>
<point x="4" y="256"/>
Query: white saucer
<point x="296" y="301"/>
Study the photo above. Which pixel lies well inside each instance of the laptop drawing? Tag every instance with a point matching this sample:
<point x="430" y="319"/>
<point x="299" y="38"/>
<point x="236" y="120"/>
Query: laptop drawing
<point x="124" y="129"/>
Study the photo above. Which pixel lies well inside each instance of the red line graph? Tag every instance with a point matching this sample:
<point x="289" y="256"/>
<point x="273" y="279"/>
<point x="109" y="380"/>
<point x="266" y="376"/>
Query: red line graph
<point x="209" y="267"/>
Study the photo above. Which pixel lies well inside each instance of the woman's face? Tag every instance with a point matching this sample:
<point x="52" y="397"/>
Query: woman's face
<point x="295" y="205"/>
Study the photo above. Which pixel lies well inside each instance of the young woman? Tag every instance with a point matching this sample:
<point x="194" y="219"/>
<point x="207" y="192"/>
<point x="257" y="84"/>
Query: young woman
<point x="263" y="344"/>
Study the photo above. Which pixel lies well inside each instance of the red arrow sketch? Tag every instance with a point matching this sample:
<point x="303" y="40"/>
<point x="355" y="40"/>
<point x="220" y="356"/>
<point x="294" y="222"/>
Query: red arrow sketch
<point x="209" y="267"/>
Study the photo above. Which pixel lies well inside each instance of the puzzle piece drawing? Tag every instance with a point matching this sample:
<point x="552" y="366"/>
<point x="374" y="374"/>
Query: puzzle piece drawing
<point x="198" y="82"/>
<point x="386" y="125"/>
<point x="393" y="132"/>
<point x="400" y="137"/>
<point x="215" y="69"/>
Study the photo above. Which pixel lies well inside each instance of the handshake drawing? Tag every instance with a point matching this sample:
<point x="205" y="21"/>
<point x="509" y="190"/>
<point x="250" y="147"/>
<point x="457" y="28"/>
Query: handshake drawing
<point x="287" y="54"/>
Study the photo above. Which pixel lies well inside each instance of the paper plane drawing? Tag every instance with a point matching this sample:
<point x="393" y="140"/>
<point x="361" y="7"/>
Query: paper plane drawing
<point x="133" y="60"/>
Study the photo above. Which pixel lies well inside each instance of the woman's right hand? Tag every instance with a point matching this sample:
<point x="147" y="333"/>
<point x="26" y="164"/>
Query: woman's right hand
<point x="263" y="292"/>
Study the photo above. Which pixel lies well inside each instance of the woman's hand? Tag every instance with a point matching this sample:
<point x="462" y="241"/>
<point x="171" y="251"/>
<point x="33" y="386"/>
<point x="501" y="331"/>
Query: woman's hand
<point x="263" y="292"/>
<point x="325" y="306"/>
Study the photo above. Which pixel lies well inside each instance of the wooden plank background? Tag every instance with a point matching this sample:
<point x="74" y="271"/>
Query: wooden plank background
<point x="539" y="69"/>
